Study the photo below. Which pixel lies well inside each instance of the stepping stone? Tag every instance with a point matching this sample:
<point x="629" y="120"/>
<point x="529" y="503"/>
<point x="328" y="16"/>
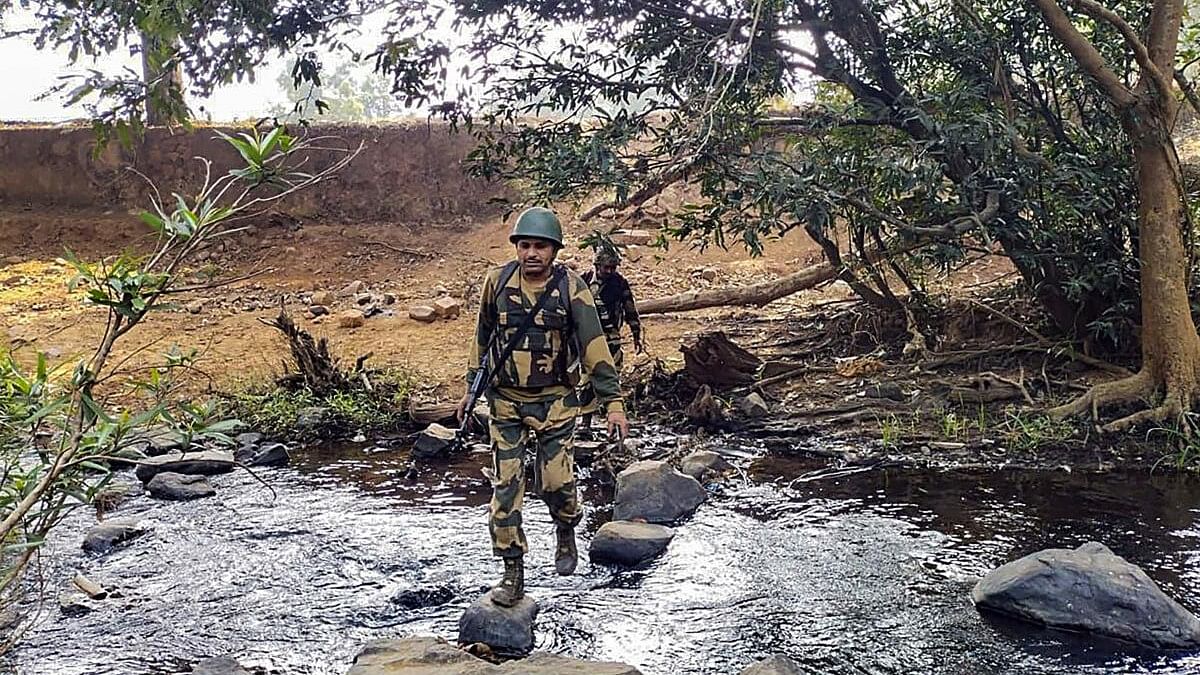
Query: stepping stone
<point x="504" y="629"/>
<point x="624" y="542"/>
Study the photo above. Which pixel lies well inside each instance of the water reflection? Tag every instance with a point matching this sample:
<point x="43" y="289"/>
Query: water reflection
<point x="852" y="572"/>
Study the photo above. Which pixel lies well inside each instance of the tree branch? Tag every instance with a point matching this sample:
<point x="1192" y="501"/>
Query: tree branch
<point x="1085" y="53"/>
<point x="1140" y="53"/>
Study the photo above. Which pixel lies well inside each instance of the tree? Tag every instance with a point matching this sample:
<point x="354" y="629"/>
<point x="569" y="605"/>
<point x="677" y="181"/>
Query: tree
<point x="926" y="113"/>
<point x="1147" y="110"/>
<point x="350" y="93"/>
<point x="211" y="43"/>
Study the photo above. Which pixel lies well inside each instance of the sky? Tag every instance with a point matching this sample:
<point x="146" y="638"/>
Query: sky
<point x="40" y="70"/>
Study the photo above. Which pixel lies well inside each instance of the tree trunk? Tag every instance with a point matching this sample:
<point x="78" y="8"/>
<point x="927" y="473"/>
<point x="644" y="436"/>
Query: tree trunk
<point x="754" y="294"/>
<point x="159" y="81"/>
<point x="1170" y="344"/>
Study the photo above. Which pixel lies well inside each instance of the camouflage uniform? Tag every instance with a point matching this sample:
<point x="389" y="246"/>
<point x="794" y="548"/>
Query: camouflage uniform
<point x="533" y="392"/>
<point x="616" y="307"/>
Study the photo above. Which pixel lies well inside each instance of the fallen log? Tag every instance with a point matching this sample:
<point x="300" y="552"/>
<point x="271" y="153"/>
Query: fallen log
<point x="713" y="359"/>
<point x="760" y="294"/>
<point x="755" y="294"/>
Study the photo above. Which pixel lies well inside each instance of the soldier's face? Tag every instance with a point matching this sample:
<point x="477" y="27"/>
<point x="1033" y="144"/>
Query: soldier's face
<point x="535" y="255"/>
<point x="605" y="271"/>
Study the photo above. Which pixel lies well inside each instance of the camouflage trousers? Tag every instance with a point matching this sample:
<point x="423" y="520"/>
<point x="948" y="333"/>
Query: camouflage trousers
<point x="512" y="422"/>
<point x="587" y="397"/>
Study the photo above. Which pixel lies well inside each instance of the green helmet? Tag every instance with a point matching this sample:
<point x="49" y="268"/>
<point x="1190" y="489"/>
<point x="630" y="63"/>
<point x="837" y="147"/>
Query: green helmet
<point x="607" y="255"/>
<point x="538" y="223"/>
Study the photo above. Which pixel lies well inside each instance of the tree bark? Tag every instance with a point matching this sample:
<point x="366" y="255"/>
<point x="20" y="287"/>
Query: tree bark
<point x="1170" y="344"/>
<point x="159" y="81"/>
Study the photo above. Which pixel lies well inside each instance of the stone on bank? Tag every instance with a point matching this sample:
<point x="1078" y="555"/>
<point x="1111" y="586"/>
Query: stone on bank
<point x="434" y="656"/>
<point x="1089" y="589"/>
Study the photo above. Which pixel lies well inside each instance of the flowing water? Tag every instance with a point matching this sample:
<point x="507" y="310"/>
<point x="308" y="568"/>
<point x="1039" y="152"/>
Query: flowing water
<point x="846" y="572"/>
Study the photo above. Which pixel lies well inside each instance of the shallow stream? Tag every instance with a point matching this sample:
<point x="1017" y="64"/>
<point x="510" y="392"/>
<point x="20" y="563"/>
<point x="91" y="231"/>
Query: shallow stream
<point x="860" y="572"/>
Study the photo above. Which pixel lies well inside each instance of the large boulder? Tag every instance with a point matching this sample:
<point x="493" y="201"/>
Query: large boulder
<point x="704" y="464"/>
<point x="434" y="656"/>
<point x="179" y="487"/>
<point x="656" y="493"/>
<point x="1088" y="589"/>
<point x="504" y="629"/>
<point x="624" y="542"/>
<point x="204" y="463"/>
<point x="107" y="535"/>
<point x="776" y="664"/>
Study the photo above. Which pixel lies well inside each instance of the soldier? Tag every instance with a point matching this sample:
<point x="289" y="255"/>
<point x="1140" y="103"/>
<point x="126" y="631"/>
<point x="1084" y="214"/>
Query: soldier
<point x="616" y="307"/>
<point x="533" y="391"/>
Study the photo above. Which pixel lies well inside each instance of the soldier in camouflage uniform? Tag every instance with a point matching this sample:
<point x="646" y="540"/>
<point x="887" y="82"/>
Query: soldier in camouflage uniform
<point x="533" y="392"/>
<point x="616" y="307"/>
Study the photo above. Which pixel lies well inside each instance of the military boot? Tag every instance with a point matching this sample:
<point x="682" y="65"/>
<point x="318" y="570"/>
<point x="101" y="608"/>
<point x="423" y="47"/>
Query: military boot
<point x="511" y="588"/>
<point x="566" y="557"/>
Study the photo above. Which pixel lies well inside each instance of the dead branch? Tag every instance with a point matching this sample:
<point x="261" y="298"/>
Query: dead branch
<point x="315" y="366"/>
<point x="762" y="293"/>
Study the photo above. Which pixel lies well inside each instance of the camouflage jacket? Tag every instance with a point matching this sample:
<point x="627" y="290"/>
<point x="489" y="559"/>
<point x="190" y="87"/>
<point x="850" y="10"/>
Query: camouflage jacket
<point x="537" y="370"/>
<point x="615" y="304"/>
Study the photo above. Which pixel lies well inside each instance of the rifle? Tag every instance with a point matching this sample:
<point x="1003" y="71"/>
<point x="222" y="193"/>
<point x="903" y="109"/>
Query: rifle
<point x="475" y="392"/>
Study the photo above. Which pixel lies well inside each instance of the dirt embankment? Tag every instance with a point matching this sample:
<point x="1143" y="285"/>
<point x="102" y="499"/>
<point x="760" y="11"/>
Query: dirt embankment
<point x="404" y="173"/>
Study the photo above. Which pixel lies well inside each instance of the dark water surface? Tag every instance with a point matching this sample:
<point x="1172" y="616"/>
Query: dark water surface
<point x="865" y="572"/>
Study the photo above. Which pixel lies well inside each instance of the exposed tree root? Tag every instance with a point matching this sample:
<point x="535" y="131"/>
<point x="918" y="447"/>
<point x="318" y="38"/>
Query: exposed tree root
<point x="1138" y="386"/>
<point x="1141" y="386"/>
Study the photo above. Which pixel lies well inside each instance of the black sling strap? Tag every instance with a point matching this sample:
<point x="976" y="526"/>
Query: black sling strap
<point x="551" y="284"/>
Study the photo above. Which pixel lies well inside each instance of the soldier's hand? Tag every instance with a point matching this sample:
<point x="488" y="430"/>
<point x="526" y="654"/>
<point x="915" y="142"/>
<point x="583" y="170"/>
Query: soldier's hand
<point x="619" y="423"/>
<point x="461" y="411"/>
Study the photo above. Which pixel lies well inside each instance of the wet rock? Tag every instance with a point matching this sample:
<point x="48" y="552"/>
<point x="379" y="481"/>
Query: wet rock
<point x="435" y="441"/>
<point x="248" y="438"/>
<point x="323" y="298"/>
<point x="204" y="463"/>
<point x="753" y="405"/>
<point x="777" y="664"/>
<point x="1088" y="589"/>
<point x="159" y="441"/>
<point x="179" y="487"/>
<point x="105" y="536"/>
<point x="504" y="629"/>
<point x="704" y="464"/>
<point x="655" y="492"/>
<point x="73" y="602"/>
<point x="93" y="590"/>
<point x="422" y="313"/>
<point x="318" y="310"/>
<point x="419" y="598"/>
<point x="271" y="454"/>
<point x="351" y="318"/>
<point x="434" y="656"/>
<point x="389" y="298"/>
<point x="362" y="299"/>
<point x="623" y="542"/>
<point x="219" y="665"/>
<point x="447" y="307"/>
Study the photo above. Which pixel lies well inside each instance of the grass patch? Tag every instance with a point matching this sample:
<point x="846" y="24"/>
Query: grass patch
<point x="300" y="413"/>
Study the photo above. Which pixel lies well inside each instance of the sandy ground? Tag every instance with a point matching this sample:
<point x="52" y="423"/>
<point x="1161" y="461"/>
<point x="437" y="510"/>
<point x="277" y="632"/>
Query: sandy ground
<point x="40" y="313"/>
